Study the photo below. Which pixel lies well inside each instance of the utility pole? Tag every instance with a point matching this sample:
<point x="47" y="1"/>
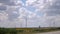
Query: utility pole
<point x="26" y="21"/>
<point x="53" y="24"/>
<point x="25" y="17"/>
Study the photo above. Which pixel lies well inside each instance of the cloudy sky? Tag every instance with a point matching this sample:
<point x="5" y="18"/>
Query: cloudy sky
<point x="16" y="13"/>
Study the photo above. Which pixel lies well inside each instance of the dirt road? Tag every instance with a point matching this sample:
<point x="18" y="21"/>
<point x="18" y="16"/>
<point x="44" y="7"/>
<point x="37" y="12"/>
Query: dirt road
<point x="56" y="32"/>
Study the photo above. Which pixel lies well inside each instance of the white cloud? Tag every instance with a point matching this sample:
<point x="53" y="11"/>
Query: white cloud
<point x="29" y="2"/>
<point x="27" y="13"/>
<point x="33" y="18"/>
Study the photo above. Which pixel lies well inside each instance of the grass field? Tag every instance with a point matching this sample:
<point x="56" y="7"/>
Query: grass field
<point x="26" y="30"/>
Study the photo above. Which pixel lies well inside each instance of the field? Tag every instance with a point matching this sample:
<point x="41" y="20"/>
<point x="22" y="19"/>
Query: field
<point x="26" y="30"/>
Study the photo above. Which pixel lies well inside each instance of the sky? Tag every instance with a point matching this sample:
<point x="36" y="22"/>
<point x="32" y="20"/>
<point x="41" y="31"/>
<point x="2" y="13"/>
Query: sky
<point x="16" y="13"/>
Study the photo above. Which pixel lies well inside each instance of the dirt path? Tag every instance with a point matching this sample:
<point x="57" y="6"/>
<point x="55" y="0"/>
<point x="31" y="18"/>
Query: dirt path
<point x="56" y="32"/>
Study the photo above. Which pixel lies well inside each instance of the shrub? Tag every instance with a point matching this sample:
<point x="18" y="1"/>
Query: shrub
<point x="20" y="30"/>
<point x="7" y="30"/>
<point x="3" y="31"/>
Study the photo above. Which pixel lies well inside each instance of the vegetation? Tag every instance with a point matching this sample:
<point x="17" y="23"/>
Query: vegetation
<point x="8" y="31"/>
<point x="25" y="30"/>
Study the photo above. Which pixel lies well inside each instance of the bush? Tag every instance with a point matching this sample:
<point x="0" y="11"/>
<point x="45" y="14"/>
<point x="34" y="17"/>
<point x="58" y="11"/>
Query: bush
<point x="20" y="30"/>
<point x="3" y="31"/>
<point x="13" y="32"/>
<point x="7" y="30"/>
<point x="58" y="28"/>
<point x="37" y="30"/>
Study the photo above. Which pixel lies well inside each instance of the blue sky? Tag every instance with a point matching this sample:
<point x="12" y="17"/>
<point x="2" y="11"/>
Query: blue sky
<point x="15" y="11"/>
<point x="30" y="8"/>
<point x="24" y="1"/>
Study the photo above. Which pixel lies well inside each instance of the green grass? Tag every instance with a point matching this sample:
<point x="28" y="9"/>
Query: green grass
<point x="26" y="30"/>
